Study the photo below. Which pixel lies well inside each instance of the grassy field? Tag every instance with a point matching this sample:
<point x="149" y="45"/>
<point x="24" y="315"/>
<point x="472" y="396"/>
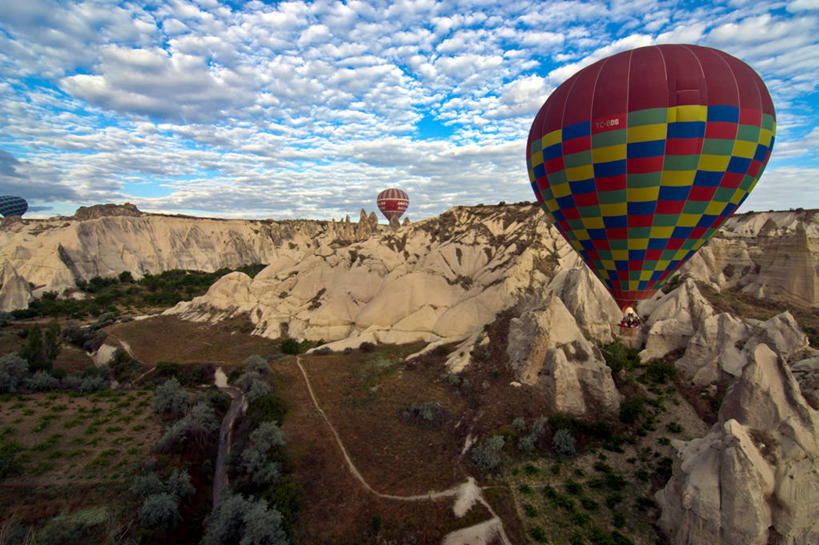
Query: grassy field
<point x="64" y="438"/>
<point x="67" y="454"/>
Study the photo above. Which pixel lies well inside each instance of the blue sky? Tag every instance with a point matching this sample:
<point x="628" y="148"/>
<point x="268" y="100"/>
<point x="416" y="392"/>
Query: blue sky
<point x="309" y="109"/>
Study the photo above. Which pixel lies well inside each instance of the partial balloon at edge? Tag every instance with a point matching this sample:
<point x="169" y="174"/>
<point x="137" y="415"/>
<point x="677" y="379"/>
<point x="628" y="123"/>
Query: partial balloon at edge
<point x="392" y="203"/>
<point x="639" y="158"/>
<point x="12" y="206"/>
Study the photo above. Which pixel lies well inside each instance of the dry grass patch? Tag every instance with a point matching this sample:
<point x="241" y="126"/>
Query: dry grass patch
<point x="336" y="508"/>
<point x="166" y="338"/>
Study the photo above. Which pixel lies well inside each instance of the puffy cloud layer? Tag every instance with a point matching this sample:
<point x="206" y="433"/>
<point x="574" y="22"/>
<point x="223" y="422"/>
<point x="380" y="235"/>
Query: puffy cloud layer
<point x="308" y="109"/>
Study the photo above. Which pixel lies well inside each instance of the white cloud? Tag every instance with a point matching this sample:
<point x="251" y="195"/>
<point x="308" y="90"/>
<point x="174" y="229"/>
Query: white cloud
<point x="306" y="107"/>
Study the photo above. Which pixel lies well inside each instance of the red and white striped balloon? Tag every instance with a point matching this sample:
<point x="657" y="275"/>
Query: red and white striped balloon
<point x="392" y="202"/>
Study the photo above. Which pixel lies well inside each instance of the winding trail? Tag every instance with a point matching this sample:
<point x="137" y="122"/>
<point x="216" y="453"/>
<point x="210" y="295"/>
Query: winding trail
<point x="454" y="492"/>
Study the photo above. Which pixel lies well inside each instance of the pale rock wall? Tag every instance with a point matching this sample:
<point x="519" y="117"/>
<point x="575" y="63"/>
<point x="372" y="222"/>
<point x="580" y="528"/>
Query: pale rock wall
<point x="770" y="255"/>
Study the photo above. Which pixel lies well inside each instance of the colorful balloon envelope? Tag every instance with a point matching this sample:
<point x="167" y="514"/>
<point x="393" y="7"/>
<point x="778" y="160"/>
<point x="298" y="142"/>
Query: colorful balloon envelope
<point x="12" y="206"/>
<point x="640" y="158"/>
<point x="392" y="203"/>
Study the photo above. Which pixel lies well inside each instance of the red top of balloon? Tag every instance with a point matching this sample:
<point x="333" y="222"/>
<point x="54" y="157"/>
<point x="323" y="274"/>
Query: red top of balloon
<point x="640" y="157"/>
<point x="392" y="202"/>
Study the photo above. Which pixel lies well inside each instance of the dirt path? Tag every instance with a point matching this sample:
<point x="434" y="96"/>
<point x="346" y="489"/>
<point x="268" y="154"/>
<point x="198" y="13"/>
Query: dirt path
<point x="455" y="492"/>
<point x="237" y="401"/>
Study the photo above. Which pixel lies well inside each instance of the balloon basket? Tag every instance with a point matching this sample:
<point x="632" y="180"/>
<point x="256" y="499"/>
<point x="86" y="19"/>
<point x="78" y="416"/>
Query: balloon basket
<point x="626" y="331"/>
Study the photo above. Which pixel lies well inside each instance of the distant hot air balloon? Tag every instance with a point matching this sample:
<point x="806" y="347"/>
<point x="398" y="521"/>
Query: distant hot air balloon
<point x="12" y="206"/>
<point x="640" y="158"/>
<point x="392" y="202"/>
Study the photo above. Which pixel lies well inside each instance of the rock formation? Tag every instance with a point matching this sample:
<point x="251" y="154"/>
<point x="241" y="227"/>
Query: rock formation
<point x="14" y="290"/>
<point x="772" y="255"/>
<point x="673" y="319"/>
<point x="546" y="347"/>
<point x="754" y="479"/>
<point x="101" y="210"/>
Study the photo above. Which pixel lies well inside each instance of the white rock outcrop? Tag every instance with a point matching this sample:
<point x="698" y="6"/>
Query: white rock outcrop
<point x="754" y="479"/>
<point x="673" y="320"/>
<point x="770" y="255"/>
<point x="588" y="301"/>
<point x="15" y="292"/>
<point x="547" y="348"/>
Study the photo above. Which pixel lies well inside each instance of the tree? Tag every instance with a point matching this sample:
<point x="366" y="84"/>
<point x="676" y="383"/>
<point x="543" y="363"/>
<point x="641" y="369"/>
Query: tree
<point x="168" y="399"/>
<point x="237" y="520"/>
<point x="159" y="511"/>
<point x="487" y="455"/>
<point x="12" y="372"/>
<point x="51" y="340"/>
<point x="33" y="351"/>
<point x="255" y="458"/>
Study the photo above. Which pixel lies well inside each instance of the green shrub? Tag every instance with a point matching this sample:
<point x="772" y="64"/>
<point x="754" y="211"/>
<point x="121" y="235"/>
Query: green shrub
<point x="632" y="409"/>
<point x="366" y="347"/>
<point x="530" y="510"/>
<point x="537" y="533"/>
<point x="269" y="407"/>
<point x="487" y="455"/>
<point x="10" y="463"/>
<point x="292" y="346"/>
<point x="618" y="356"/>
<point x="572" y="487"/>
<point x="563" y="443"/>
<point x="42" y="381"/>
<point x="660" y="372"/>
<point x="613" y="499"/>
<point x="589" y="504"/>
<point x="674" y="427"/>
<point x="237" y="519"/>
<point x="429" y="414"/>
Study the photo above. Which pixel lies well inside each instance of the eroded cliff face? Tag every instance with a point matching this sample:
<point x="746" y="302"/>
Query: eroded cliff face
<point x="770" y="255"/>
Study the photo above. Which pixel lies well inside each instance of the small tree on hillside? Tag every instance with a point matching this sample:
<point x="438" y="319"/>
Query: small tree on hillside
<point x="169" y="399"/>
<point x="51" y="342"/>
<point x="33" y="351"/>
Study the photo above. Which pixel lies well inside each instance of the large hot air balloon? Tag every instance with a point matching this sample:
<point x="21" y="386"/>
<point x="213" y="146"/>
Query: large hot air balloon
<point x="639" y="158"/>
<point x="12" y="206"/>
<point x="392" y="202"/>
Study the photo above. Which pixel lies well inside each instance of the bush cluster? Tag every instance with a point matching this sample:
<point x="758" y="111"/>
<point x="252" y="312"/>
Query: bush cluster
<point x="429" y="414"/>
<point x="105" y="294"/>
<point x="246" y="521"/>
<point x="160" y="500"/>
<point x="563" y="443"/>
<point x="487" y="455"/>
<point x="529" y="442"/>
